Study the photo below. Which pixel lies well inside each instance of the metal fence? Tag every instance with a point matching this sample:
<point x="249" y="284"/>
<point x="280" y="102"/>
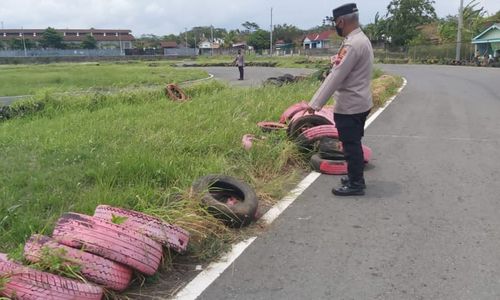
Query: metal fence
<point x="60" y="52"/>
<point x="181" y="52"/>
<point x="425" y="53"/>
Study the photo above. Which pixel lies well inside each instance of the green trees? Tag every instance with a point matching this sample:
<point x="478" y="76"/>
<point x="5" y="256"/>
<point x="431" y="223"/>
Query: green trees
<point x="259" y="39"/>
<point x="52" y="39"/>
<point x="287" y="33"/>
<point x="404" y="16"/>
<point x="474" y="23"/>
<point x="89" y="42"/>
<point x="17" y="44"/>
<point x="250" y="26"/>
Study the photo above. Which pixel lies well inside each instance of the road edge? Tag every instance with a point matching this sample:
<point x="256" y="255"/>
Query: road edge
<point x="202" y="281"/>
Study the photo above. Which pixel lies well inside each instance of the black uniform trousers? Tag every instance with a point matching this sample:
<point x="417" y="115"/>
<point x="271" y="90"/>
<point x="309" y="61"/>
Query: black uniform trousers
<point x="241" y="72"/>
<point x="351" y="129"/>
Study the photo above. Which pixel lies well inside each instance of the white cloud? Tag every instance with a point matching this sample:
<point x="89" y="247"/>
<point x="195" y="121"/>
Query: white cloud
<point x="172" y="16"/>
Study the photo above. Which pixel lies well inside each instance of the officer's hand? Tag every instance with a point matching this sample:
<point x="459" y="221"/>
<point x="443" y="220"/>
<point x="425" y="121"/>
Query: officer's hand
<point x="333" y="59"/>
<point x="310" y="110"/>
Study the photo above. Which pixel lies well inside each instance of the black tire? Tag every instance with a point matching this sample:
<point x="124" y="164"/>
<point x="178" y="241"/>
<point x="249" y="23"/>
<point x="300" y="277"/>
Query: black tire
<point x="215" y="191"/>
<point x="305" y="122"/>
<point x="287" y="78"/>
<point x="273" y="81"/>
<point x="329" y="149"/>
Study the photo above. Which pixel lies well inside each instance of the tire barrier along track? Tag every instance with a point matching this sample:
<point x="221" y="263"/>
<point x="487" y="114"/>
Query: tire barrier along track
<point x="292" y="110"/>
<point x="308" y="137"/>
<point x="97" y="269"/>
<point x="169" y="235"/>
<point x="175" y="93"/>
<point x="227" y="198"/>
<point x="303" y="123"/>
<point x="329" y="167"/>
<point x="271" y="126"/>
<point x="29" y="284"/>
<point x="109" y="240"/>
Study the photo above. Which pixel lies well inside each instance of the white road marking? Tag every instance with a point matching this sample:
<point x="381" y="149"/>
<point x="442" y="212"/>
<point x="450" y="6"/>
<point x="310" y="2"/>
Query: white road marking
<point x="203" y="280"/>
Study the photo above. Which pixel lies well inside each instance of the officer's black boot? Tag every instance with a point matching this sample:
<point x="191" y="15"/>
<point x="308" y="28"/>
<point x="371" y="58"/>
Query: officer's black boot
<point x="345" y="181"/>
<point x="349" y="190"/>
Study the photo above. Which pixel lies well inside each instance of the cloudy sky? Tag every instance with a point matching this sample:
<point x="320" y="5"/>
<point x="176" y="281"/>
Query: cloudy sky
<point x="172" y="16"/>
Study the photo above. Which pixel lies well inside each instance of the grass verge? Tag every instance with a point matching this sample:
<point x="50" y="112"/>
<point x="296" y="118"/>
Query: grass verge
<point x="140" y="151"/>
<point x="29" y="79"/>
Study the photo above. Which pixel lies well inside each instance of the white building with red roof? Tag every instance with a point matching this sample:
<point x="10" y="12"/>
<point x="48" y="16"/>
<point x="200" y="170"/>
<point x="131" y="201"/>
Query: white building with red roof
<point x="320" y="40"/>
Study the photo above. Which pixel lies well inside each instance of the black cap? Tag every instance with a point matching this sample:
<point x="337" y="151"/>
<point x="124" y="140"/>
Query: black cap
<point x="344" y="10"/>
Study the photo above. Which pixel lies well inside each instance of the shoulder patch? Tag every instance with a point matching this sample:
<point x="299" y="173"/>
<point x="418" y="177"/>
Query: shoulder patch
<point x="340" y="56"/>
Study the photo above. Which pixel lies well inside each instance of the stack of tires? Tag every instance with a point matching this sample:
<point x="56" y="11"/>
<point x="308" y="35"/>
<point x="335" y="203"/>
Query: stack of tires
<point x="282" y="80"/>
<point x="108" y="247"/>
<point x="317" y="133"/>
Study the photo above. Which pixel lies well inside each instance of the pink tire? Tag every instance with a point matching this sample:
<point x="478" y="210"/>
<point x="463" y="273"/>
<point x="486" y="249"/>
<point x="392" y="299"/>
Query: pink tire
<point x="308" y="137"/>
<point x="292" y="110"/>
<point x="329" y="167"/>
<point x="367" y="152"/>
<point x="271" y="126"/>
<point x="171" y="236"/>
<point x="29" y="284"/>
<point x="109" y="240"/>
<point x="97" y="269"/>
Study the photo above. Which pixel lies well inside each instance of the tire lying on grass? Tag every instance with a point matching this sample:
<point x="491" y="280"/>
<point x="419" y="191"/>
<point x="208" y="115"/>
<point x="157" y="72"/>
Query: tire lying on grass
<point x="271" y="126"/>
<point x="169" y="235"/>
<point x="26" y="283"/>
<point x="273" y="81"/>
<point x="175" y="93"/>
<point x="228" y="199"/>
<point x="97" y="269"/>
<point x="109" y="240"/>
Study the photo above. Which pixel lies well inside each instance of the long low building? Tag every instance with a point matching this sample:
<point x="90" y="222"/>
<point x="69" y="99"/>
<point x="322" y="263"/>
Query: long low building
<point x="106" y="38"/>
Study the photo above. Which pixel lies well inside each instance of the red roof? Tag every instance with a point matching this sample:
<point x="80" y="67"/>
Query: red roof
<point x="325" y="35"/>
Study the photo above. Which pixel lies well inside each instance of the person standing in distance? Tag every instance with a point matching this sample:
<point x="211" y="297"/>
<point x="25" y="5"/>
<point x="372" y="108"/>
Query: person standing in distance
<point x="350" y="81"/>
<point x="240" y="62"/>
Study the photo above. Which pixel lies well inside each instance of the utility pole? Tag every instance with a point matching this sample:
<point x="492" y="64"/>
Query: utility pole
<point x="24" y="42"/>
<point x="2" y="25"/>
<point x="459" y="32"/>
<point x="195" y="45"/>
<point x="212" y="42"/>
<point x="271" y="35"/>
<point x="186" y="36"/>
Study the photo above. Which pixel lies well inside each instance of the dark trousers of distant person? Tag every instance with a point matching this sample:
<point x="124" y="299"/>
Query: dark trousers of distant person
<point x="241" y="72"/>
<point x="351" y="129"/>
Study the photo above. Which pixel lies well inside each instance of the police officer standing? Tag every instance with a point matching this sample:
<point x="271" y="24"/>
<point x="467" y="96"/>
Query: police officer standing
<point x="240" y="63"/>
<point x="350" y="81"/>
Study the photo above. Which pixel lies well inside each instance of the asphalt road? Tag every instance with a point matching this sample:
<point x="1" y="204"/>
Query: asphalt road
<point x="429" y="226"/>
<point x="9" y="99"/>
<point x="254" y="76"/>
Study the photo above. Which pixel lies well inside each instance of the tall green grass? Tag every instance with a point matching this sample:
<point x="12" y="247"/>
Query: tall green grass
<point x="29" y="79"/>
<point x="134" y="150"/>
